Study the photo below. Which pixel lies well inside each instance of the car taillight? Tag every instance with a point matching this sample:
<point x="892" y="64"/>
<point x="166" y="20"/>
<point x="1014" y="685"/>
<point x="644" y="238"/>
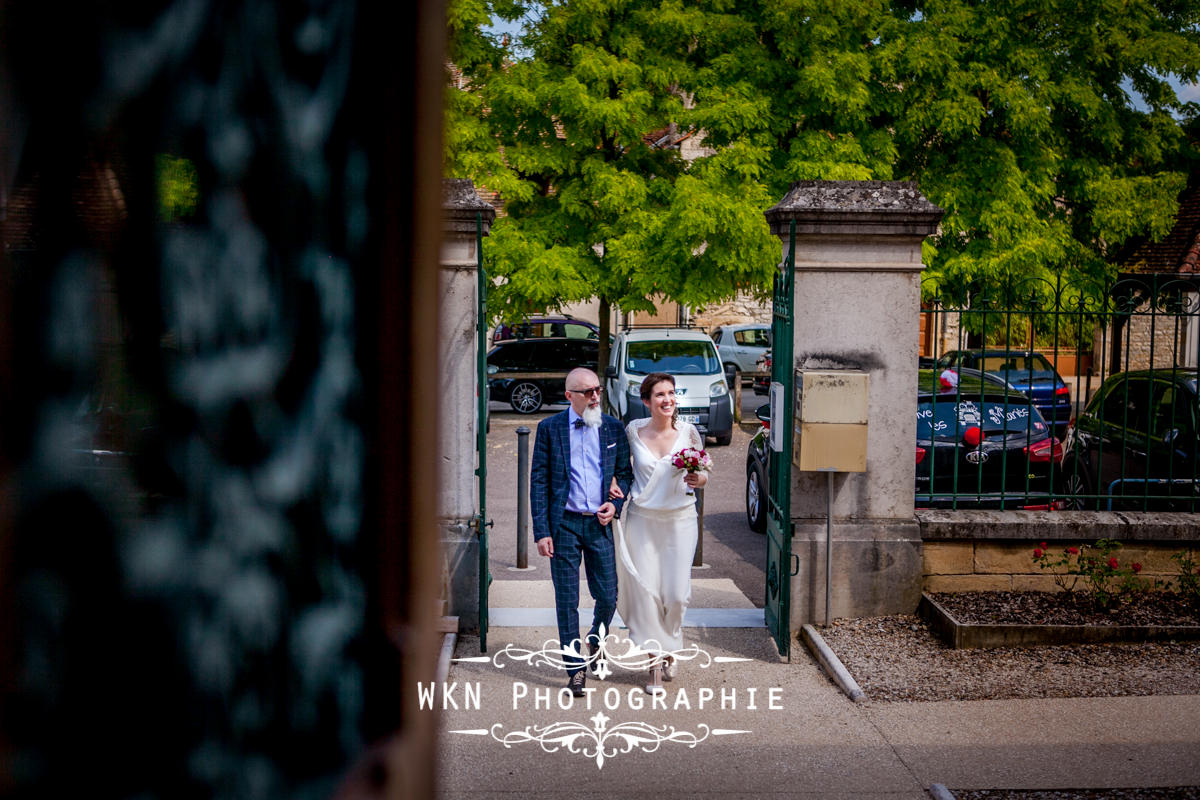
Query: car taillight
<point x="920" y="454"/>
<point x="1045" y="450"/>
<point x="1063" y="390"/>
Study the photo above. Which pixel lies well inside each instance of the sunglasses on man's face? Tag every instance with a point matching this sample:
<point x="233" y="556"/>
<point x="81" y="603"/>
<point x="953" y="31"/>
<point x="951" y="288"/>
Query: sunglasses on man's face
<point x="593" y="390"/>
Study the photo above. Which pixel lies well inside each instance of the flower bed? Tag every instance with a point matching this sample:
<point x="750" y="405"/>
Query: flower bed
<point x="1026" y="619"/>
<point x="1076" y="608"/>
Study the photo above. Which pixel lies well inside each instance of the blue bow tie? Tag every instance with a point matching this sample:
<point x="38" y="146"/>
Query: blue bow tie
<point x="579" y="423"/>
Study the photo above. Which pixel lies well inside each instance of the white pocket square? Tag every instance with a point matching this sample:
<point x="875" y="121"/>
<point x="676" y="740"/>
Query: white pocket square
<point x="611" y="446"/>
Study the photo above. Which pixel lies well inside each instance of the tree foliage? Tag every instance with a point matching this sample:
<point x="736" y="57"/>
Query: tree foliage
<point x="566" y="129"/>
<point x="1017" y="118"/>
<point x="1047" y="130"/>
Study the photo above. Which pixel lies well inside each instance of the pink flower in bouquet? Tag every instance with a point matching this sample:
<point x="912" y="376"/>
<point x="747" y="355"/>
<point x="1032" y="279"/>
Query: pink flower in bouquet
<point x="692" y="460"/>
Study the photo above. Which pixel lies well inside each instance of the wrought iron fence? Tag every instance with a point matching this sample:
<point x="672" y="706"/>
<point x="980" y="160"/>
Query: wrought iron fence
<point x="1054" y="394"/>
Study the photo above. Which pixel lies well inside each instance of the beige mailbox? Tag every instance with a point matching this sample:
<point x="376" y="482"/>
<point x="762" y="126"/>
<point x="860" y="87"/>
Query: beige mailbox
<point x="830" y="421"/>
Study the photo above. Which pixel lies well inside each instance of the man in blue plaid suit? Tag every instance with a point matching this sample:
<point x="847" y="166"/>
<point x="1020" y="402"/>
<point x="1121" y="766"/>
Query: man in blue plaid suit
<point x="576" y="455"/>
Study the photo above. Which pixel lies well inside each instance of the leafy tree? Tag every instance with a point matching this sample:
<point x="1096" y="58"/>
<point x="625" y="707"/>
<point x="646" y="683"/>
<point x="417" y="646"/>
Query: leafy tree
<point x="595" y="208"/>
<point x="1019" y="118"/>
<point x="1047" y="129"/>
<point x="1016" y="117"/>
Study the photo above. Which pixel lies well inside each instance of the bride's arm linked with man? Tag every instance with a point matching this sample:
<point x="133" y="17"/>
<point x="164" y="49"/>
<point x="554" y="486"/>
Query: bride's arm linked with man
<point x="586" y="469"/>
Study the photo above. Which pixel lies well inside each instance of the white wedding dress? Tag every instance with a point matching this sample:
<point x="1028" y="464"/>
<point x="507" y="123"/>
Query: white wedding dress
<point x="655" y="543"/>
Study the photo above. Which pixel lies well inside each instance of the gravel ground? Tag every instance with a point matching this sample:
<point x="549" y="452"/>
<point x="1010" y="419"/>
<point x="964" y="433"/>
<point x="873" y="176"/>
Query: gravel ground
<point x="898" y="659"/>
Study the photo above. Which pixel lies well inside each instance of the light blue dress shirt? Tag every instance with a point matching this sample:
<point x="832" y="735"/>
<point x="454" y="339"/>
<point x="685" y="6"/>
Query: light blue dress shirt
<point x="584" y="496"/>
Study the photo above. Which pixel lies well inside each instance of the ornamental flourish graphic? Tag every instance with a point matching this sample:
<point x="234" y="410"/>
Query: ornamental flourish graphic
<point x="634" y="658"/>
<point x="599" y="742"/>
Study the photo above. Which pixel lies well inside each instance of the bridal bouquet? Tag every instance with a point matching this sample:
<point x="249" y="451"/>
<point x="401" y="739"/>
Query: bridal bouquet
<point x="690" y="459"/>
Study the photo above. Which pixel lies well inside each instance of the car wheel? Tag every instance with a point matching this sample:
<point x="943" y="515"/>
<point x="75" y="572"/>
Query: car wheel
<point x="723" y="439"/>
<point x="1075" y="489"/>
<point x="756" y="500"/>
<point x="525" y="398"/>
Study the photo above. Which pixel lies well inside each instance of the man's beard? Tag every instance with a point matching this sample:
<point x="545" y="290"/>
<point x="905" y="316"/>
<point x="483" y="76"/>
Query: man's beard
<point x="591" y="416"/>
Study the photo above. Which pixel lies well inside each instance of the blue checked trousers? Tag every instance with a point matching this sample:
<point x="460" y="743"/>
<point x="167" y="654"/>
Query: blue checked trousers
<point x="583" y="537"/>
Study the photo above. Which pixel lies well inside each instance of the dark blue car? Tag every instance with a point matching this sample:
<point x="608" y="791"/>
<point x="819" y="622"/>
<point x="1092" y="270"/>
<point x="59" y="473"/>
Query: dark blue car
<point x="1028" y="372"/>
<point x="979" y="444"/>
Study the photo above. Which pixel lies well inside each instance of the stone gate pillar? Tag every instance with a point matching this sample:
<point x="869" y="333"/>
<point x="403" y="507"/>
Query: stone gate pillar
<point x="857" y="306"/>
<point x="455" y="390"/>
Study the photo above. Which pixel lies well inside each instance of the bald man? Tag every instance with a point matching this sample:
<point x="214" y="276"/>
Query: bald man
<point x="576" y="455"/>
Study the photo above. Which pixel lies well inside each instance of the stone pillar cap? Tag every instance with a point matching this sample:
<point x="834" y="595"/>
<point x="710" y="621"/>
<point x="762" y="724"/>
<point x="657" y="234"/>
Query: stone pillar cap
<point x="855" y="207"/>
<point x="460" y="204"/>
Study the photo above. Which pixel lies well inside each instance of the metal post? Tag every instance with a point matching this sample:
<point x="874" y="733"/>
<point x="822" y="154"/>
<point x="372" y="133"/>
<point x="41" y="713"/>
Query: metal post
<point x="829" y="549"/>
<point x="698" y="559"/>
<point x="737" y="398"/>
<point x="522" y="497"/>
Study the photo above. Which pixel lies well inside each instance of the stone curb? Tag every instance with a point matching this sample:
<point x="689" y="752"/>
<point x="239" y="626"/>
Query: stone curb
<point x="830" y="663"/>
<point x="449" y="640"/>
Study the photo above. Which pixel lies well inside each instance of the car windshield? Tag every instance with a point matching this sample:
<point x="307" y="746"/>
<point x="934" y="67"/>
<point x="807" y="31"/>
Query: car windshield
<point x="1018" y="367"/>
<point x="686" y="357"/>
<point x="947" y="418"/>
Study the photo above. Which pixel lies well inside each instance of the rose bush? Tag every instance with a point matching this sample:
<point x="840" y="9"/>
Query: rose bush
<point x="1188" y="583"/>
<point x="1097" y="566"/>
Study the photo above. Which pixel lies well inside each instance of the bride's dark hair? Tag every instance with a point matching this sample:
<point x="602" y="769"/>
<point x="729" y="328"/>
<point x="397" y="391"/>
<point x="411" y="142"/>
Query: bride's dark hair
<point x="652" y="380"/>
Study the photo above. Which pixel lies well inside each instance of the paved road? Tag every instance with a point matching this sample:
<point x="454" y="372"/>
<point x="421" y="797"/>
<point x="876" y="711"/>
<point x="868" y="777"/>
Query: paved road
<point x="797" y="736"/>
<point x="731" y="549"/>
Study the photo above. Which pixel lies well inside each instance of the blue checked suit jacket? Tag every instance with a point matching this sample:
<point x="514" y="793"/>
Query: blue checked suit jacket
<point x="550" y="478"/>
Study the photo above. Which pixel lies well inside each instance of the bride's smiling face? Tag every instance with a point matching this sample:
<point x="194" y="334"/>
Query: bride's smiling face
<point x="662" y="399"/>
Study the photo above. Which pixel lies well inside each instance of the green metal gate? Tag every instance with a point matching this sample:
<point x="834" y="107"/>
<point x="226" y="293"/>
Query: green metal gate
<point x="481" y="429"/>
<point x="779" y="479"/>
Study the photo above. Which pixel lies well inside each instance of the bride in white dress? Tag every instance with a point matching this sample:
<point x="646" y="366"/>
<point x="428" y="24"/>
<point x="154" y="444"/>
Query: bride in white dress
<point x="656" y="534"/>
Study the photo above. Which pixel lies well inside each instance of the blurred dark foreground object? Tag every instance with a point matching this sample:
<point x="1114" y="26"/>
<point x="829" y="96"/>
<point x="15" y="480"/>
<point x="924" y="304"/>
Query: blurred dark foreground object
<point x="220" y="231"/>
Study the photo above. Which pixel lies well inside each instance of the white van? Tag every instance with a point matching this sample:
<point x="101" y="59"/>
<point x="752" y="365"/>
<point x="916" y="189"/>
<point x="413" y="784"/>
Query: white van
<point x="691" y="358"/>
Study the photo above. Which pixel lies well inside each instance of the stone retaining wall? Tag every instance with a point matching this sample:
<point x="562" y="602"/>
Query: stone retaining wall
<point x="965" y="551"/>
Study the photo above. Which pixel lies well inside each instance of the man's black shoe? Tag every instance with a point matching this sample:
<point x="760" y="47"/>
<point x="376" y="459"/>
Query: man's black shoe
<point x="593" y="658"/>
<point x="576" y="683"/>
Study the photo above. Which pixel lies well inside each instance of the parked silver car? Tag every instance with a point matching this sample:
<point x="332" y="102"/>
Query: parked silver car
<point x="742" y="345"/>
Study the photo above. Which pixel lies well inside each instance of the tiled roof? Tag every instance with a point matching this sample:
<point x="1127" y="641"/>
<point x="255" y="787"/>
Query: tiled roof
<point x="1179" y="252"/>
<point x="668" y="137"/>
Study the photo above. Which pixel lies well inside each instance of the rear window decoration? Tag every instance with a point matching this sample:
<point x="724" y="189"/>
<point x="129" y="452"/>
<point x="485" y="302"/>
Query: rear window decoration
<point x="948" y="417"/>
<point x="998" y="416"/>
